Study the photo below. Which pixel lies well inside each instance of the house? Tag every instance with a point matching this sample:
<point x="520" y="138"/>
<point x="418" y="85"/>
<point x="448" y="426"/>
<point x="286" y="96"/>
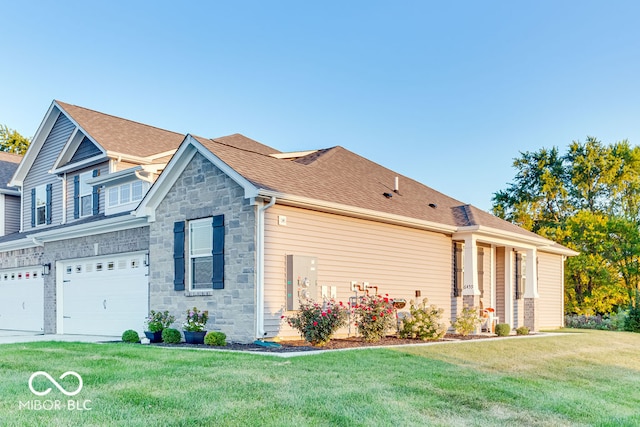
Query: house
<point x="77" y="262"/>
<point x="119" y="218"/>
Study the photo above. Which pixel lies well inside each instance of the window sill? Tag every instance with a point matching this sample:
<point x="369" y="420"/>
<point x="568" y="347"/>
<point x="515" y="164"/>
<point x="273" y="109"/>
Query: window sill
<point x="201" y="293"/>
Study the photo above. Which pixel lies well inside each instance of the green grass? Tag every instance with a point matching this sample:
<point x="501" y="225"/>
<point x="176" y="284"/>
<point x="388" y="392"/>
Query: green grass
<point x="581" y="378"/>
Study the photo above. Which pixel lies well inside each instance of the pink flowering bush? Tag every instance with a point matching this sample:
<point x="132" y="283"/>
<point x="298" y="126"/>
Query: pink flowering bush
<point x="317" y="322"/>
<point x="374" y="317"/>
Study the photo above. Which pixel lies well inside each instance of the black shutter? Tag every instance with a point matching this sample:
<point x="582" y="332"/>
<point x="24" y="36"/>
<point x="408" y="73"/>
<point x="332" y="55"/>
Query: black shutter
<point x="457" y="269"/>
<point x="49" y="202"/>
<point x="218" y="252"/>
<point x="518" y="275"/>
<point x="95" y="195"/>
<point x="76" y="196"/>
<point x="178" y="255"/>
<point x="33" y="207"/>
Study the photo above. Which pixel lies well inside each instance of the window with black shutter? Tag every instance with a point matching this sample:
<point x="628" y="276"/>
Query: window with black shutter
<point x="458" y="271"/>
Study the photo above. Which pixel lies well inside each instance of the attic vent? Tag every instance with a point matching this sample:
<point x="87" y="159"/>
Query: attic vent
<point x="433" y="205"/>
<point x="387" y="195"/>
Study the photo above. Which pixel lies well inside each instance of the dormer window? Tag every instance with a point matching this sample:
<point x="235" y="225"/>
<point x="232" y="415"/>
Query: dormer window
<point x="125" y="193"/>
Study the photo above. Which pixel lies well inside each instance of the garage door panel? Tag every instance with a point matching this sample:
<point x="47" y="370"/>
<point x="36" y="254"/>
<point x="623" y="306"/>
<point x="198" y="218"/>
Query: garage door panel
<point x="21" y="300"/>
<point x="105" y="296"/>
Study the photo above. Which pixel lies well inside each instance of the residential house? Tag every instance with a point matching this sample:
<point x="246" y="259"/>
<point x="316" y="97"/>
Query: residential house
<point x="240" y="229"/>
<point x="77" y="264"/>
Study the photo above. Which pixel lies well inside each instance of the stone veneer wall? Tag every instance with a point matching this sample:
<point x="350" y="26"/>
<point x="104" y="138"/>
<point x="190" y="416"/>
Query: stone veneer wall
<point x="131" y="240"/>
<point x="530" y="318"/>
<point x="22" y="258"/>
<point x="203" y="191"/>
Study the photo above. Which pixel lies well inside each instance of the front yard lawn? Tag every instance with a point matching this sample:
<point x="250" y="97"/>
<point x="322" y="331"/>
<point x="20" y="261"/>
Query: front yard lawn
<point x="580" y="378"/>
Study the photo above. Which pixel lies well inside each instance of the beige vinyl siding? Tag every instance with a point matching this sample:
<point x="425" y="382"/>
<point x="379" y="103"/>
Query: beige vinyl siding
<point x="550" y="305"/>
<point x="500" y="284"/>
<point x="398" y="260"/>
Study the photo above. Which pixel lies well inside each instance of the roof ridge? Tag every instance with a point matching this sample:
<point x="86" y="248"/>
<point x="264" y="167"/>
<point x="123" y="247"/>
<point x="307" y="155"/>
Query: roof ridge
<point x="218" y="141"/>
<point x="63" y="104"/>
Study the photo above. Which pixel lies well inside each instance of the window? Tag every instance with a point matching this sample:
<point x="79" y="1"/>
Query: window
<point x="198" y="254"/>
<point x="125" y="193"/>
<point x="458" y="270"/>
<point x="521" y="266"/>
<point x="200" y="258"/>
<point x="85" y="195"/>
<point x="86" y="198"/>
<point x="41" y="205"/>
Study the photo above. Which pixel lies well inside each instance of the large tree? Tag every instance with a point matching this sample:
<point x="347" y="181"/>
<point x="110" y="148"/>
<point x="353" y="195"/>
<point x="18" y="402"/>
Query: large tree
<point x="12" y="142"/>
<point x="587" y="199"/>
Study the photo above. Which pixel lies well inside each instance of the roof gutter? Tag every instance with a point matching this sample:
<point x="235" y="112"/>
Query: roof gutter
<point x="356" y="212"/>
<point x="260" y="332"/>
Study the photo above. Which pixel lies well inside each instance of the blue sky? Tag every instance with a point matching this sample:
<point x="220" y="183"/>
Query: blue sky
<point x="447" y="93"/>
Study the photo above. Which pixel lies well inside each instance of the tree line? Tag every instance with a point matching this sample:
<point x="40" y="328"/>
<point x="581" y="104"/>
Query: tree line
<point x="587" y="199"/>
<point x="12" y="142"/>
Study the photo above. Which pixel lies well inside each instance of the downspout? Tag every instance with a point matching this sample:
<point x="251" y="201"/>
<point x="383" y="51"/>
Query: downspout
<point x="260" y="332"/>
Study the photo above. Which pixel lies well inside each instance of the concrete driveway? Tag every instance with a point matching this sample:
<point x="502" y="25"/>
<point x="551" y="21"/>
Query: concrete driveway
<point x="12" y="337"/>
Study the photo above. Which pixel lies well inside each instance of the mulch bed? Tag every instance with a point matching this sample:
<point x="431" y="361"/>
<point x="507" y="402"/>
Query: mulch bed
<point x="334" y="344"/>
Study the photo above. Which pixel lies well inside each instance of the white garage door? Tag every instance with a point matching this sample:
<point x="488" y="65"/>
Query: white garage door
<point x="104" y="296"/>
<point x="22" y="299"/>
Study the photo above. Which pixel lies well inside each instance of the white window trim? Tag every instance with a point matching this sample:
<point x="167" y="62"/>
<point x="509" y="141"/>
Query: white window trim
<point x="205" y="223"/>
<point x="83" y="179"/>
<point x="42" y="190"/>
<point x="131" y="199"/>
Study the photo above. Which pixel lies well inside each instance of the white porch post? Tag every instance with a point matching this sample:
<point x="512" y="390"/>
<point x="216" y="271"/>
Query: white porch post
<point x="531" y="272"/>
<point x="470" y="286"/>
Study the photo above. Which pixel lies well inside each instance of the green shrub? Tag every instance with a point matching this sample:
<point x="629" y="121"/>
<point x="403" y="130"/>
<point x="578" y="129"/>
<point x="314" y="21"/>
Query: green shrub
<point x="215" y="338"/>
<point x="503" y="329"/>
<point x="632" y="322"/>
<point x="423" y="322"/>
<point x="374" y="316"/>
<point x="318" y="322"/>
<point x="522" y="330"/>
<point x="171" y="336"/>
<point x="130" y="336"/>
<point x="468" y="321"/>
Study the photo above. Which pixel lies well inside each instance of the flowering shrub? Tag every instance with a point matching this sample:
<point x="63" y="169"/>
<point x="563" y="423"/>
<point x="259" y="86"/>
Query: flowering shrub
<point x="318" y="322"/>
<point x="468" y="321"/>
<point x="374" y="317"/>
<point x="196" y="320"/>
<point x="158" y="321"/>
<point x="423" y="323"/>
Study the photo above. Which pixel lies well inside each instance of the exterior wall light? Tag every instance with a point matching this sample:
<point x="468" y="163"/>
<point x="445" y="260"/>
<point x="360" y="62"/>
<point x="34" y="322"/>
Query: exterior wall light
<point x="46" y="269"/>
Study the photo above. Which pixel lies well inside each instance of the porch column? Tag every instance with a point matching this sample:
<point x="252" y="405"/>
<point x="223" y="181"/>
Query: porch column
<point x="471" y="288"/>
<point x="531" y="290"/>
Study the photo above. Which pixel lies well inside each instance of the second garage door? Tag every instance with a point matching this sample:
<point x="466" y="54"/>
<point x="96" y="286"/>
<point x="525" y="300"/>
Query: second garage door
<point x="104" y="296"/>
